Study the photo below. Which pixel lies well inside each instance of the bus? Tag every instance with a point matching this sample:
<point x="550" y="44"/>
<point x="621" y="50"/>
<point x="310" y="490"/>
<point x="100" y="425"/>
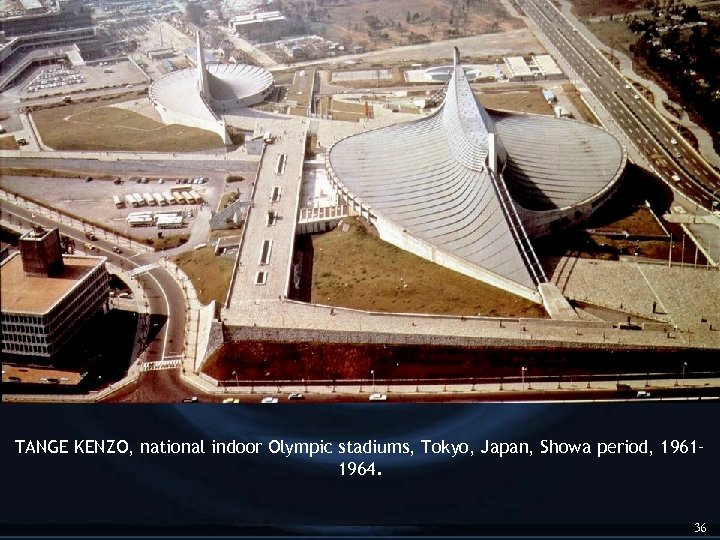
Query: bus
<point x="119" y="203"/>
<point x="149" y="199"/>
<point x="169" y="199"/>
<point x="195" y="195"/>
<point x="179" y="199"/>
<point x="188" y="198"/>
<point x="159" y="199"/>
<point x="180" y="188"/>
<point x="130" y="201"/>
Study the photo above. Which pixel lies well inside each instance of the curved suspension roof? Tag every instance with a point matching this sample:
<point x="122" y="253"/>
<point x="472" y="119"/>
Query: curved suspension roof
<point x="431" y="176"/>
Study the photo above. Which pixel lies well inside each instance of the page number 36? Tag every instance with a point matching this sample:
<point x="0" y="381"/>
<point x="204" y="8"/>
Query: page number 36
<point x="700" y="528"/>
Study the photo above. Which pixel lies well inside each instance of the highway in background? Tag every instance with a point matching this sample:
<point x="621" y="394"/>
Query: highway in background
<point x="678" y="164"/>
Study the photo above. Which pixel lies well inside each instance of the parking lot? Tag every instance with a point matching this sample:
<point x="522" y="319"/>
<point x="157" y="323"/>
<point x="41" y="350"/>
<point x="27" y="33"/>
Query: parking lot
<point x="61" y="80"/>
<point x="93" y="200"/>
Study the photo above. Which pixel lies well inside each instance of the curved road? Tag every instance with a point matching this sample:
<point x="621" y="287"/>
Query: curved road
<point x="165" y="298"/>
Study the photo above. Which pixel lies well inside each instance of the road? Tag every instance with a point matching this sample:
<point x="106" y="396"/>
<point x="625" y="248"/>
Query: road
<point x="678" y="164"/>
<point x="165" y="299"/>
<point x="167" y="387"/>
<point x="184" y="166"/>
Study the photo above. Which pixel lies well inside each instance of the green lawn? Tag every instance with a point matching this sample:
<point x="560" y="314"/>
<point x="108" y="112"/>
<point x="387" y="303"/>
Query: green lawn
<point x="94" y="126"/>
<point x="356" y="269"/>
<point x="210" y="274"/>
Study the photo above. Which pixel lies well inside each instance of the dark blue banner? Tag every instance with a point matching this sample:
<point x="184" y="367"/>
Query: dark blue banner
<point x="638" y="469"/>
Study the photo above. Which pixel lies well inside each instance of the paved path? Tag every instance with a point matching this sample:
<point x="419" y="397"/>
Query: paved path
<point x="269" y="248"/>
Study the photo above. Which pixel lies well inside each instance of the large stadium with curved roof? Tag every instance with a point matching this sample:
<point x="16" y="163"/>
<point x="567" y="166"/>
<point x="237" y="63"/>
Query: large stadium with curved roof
<point x="468" y="189"/>
<point x="198" y="96"/>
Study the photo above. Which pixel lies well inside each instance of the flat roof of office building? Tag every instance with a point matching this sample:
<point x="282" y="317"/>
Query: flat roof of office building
<point x="546" y="65"/>
<point x="38" y="294"/>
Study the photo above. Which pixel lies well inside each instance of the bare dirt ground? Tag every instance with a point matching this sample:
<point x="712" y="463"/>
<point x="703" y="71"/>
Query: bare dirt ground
<point x="574" y="96"/>
<point x="385" y="23"/>
<point x="593" y="8"/>
<point x="8" y="143"/>
<point x="265" y="361"/>
<point x="529" y="101"/>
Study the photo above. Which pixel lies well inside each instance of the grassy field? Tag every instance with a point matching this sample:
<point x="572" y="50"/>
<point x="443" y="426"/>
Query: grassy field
<point x="94" y="126"/>
<point x="8" y="143"/>
<point x="614" y="34"/>
<point x="356" y="269"/>
<point x="210" y="274"/>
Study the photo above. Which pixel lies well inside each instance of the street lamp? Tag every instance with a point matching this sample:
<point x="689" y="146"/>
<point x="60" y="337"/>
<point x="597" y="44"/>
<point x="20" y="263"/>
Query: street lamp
<point x="372" y="372"/>
<point x="522" y="376"/>
<point x="237" y="383"/>
<point x="683" y="373"/>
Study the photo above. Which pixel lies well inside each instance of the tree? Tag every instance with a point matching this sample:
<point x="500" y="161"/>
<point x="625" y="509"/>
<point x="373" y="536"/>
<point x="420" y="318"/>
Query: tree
<point x="692" y="14"/>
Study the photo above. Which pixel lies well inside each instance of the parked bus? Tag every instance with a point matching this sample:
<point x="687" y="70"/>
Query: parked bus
<point x="169" y="199"/>
<point x="149" y="199"/>
<point x="119" y="203"/>
<point x="130" y="201"/>
<point x="195" y="195"/>
<point x="159" y="199"/>
<point x="188" y="198"/>
<point x="179" y="198"/>
<point x="138" y="199"/>
<point x="180" y="188"/>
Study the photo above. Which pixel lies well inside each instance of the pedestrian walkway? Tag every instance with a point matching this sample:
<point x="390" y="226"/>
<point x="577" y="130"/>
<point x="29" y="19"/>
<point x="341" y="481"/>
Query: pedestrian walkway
<point x="141" y="269"/>
<point x="168" y="363"/>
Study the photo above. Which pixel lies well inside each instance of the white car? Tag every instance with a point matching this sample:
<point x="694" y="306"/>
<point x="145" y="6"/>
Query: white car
<point x="378" y="397"/>
<point x="296" y="395"/>
<point x="269" y="399"/>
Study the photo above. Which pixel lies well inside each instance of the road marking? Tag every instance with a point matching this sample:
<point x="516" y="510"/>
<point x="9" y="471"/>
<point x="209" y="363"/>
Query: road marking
<point x="162" y="364"/>
<point x="145" y="268"/>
